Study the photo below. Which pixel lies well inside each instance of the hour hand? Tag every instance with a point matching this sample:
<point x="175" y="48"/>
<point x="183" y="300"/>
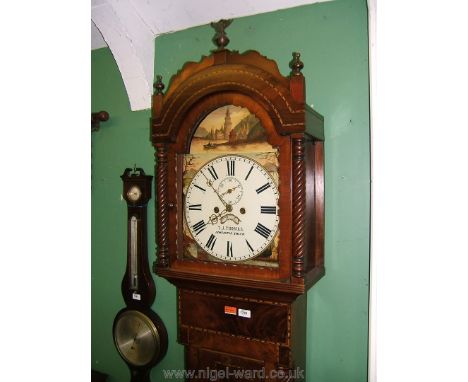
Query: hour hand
<point x="229" y="190"/>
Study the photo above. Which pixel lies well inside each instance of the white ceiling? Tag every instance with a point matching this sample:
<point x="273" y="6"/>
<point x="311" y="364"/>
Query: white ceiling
<point x="129" y="27"/>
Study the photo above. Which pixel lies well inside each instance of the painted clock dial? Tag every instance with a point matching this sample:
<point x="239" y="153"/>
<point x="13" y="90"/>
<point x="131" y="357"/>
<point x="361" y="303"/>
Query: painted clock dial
<point x="231" y="208"/>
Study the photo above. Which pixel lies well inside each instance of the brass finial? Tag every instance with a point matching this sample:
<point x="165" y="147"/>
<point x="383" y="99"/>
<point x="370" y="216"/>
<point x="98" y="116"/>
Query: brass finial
<point x="220" y="39"/>
<point x="296" y="64"/>
<point x="158" y="85"/>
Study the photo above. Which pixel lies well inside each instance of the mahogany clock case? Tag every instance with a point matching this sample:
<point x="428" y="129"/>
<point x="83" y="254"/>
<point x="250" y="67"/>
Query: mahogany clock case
<point x="240" y="315"/>
<point x="253" y="82"/>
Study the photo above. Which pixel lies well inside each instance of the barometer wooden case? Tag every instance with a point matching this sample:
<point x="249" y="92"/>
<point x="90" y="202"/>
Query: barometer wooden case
<point x="139" y="334"/>
<point x="240" y="208"/>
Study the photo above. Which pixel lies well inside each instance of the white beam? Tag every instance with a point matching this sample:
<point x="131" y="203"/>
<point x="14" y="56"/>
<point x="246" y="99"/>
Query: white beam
<point x="131" y="43"/>
<point x="129" y="28"/>
<point x="164" y="16"/>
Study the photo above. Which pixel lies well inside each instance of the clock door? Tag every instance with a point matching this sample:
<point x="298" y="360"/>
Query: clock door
<point x="230" y="193"/>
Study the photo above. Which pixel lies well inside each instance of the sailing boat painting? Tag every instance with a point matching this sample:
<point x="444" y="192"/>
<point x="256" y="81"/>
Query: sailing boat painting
<point x="230" y="129"/>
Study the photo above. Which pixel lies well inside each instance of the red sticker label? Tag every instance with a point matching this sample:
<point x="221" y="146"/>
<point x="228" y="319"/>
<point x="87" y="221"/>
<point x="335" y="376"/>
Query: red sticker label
<point x="230" y="310"/>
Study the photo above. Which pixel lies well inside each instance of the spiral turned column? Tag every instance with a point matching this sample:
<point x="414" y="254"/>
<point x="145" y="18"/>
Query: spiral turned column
<point x="163" y="219"/>
<point x="299" y="197"/>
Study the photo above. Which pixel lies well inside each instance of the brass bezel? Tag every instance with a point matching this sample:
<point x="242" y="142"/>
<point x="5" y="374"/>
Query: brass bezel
<point x="149" y="323"/>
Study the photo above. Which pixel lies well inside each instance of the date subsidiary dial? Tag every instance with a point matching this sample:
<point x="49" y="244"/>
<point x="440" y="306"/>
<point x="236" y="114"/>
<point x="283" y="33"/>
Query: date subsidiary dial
<point x="231" y="208"/>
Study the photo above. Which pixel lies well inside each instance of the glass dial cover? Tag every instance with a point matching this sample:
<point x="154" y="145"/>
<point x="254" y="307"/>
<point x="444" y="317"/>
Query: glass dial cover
<point x="136" y="338"/>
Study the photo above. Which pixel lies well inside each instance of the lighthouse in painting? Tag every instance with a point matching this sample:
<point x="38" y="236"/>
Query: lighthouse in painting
<point x="227" y="124"/>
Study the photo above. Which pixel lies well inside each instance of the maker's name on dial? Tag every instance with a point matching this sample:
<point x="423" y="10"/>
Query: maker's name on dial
<point x="228" y="230"/>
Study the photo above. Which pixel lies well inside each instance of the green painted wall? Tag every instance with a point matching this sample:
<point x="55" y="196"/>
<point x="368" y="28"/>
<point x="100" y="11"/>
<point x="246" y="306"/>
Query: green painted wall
<point x="332" y="38"/>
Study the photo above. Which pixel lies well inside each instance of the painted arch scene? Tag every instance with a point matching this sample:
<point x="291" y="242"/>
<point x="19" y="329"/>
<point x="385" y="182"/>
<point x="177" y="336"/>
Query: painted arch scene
<point x="228" y="129"/>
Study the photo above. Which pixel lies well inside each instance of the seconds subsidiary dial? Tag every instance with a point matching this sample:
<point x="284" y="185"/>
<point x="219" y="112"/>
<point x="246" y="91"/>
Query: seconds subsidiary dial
<point x="231" y="208"/>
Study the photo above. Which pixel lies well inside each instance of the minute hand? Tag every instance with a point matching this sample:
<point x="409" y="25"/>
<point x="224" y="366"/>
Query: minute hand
<point x="210" y="183"/>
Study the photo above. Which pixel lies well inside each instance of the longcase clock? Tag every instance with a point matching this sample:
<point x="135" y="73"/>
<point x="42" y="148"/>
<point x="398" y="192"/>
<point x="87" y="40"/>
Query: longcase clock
<point x="240" y="208"/>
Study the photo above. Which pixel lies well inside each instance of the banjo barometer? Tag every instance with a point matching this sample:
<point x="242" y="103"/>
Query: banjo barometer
<point x="139" y="334"/>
